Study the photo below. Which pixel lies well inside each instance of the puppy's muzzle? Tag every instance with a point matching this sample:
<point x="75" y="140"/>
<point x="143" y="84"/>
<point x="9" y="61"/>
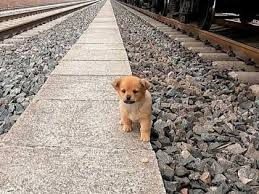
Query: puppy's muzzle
<point x="128" y="100"/>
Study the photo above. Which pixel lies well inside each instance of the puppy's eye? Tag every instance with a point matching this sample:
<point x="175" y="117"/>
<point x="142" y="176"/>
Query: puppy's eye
<point x="135" y="91"/>
<point x="123" y="91"/>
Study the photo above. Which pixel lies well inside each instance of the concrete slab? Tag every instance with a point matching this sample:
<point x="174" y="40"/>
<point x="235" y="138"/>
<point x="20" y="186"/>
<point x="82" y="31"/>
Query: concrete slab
<point x="217" y="57"/>
<point x="103" y="25"/>
<point x="165" y="29"/>
<point x="92" y="68"/>
<point x="106" y="46"/>
<point x="78" y="88"/>
<point x="77" y="170"/>
<point x="73" y="123"/>
<point x="193" y="44"/>
<point x="100" y="38"/>
<point x="175" y="33"/>
<point x="205" y="49"/>
<point x="183" y="39"/>
<point x="246" y="77"/>
<point x="81" y="52"/>
<point x="233" y="65"/>
<point x="104" y="19"/>
<point x="101" y="30"/>
<point x="172" y="36"/>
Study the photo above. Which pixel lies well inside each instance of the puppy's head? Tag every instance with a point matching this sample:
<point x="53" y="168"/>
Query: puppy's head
<point x="130" y="89"/>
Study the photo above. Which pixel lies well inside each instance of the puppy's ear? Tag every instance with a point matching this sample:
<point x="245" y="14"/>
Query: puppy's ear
<point x="145" y="84"/>
<point x="116" y="83"/>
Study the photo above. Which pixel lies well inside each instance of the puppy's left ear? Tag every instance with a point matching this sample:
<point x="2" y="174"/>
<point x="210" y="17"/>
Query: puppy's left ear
<point x="116" y="83"/>
<point x="145" y="84"/>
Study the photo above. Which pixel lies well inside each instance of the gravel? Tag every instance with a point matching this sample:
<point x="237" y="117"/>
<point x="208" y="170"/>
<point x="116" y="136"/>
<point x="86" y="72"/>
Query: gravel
<point x="205" y="125"/>
<point x="25" y="67"/>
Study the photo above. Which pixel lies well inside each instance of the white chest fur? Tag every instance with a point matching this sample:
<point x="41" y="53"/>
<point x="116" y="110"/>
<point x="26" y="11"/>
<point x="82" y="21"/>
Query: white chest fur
<point x="133" y="111"/>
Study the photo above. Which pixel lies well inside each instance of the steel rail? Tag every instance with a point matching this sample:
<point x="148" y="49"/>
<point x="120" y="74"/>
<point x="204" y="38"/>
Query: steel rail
<point x="12" y="27"/>
<point x="241" y="50"/>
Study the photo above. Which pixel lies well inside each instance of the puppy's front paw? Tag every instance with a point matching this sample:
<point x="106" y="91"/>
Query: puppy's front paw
<point x="121" y="123"/>
<point x="145" y="136"/>
<point x="127" y="128"/>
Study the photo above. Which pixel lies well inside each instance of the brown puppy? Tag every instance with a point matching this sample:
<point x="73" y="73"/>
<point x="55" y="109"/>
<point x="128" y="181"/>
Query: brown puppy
<point x="135" y="104"/>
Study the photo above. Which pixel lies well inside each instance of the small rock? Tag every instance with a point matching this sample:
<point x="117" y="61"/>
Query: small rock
<point x="163" y="157"/>
<point x="18" y="108"/>
<point x="159" y="126"/>
<point x="181" y="171"/>
<point x="166" y="171"/>
<point x="183" y="181"/>
<point x="198" y="129"/>
<point x="170" y="116"/>
<point x="165" y="141"/>
<point x="171" y="93"/>
<point x="235" y="149"/>
<point x="156" y="145"/>
<point x="194" y="176"/>
<point x="184" y="191"/>
<point x="3" y="113"/>
<point x="252" y="152"/>
<point x="187" y="157"/>
<point x="171" y="187"/>
<point x="246" y="174"/>
<point x="205" y="177"/>
<point x="214" y="145"/>
<point x="217" y="168"/>
<point x="208" y="137"/>
<point x="219" y="178"/>
<point x="170" y="149"/>
<point x="144" y="160"/>
<point x="196" y="191"/>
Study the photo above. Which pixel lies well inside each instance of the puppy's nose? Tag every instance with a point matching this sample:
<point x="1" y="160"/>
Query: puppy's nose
<point x="128" y="97"/>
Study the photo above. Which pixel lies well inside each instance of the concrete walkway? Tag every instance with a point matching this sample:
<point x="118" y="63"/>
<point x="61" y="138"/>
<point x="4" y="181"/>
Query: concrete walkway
<point x="68" y="139"/>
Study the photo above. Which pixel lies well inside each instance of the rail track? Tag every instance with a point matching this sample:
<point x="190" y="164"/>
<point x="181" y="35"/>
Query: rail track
<point x="18" y="13"/>
<point x="241" y="50"/>
<point x="34" y="17"/>
<point x="226" y="54"/>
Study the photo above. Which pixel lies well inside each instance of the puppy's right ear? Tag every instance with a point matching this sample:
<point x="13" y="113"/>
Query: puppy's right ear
<point x="116" y="83"/>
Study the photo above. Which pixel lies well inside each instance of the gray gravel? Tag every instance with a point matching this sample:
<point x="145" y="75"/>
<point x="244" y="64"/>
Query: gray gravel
<point x="205" y="126"/>
<point x="25" y="67"/>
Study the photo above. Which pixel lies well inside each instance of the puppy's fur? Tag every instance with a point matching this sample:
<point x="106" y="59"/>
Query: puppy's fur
<point x="135" y="104"/>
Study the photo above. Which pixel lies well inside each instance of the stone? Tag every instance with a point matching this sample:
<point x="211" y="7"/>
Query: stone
<point x="184" y="191"/>
<point x="246" y="174"/>
<point x="194" y="176"/>
<point x="181" y="171"/>
<point x="159" y="126"/>
<point x="170" y="149"/>
<point x="196" y="191"/>
<point x="252" y="152"/>
<point x="198" y="129"/>
<point x="170" y="116"/>
<point x="205" y="177"/>
<point x="166" y="171"/>
<point x="163" y="157"/>
<point x="165" y="141"/>
<point x="171" y="187"/>
<point x="208" y="137"/>
<point x="186" y="157"/>
<point x="3" y="113"/>
<point x="145" y="160"/>
<point x="235" y="149"/>
<point x="217" y="168"/>
<point x="219" y="178"/>
<point x="183" y="181"/>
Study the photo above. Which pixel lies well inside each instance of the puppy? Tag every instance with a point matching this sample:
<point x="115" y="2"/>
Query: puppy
<point x="135" y="104"/>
